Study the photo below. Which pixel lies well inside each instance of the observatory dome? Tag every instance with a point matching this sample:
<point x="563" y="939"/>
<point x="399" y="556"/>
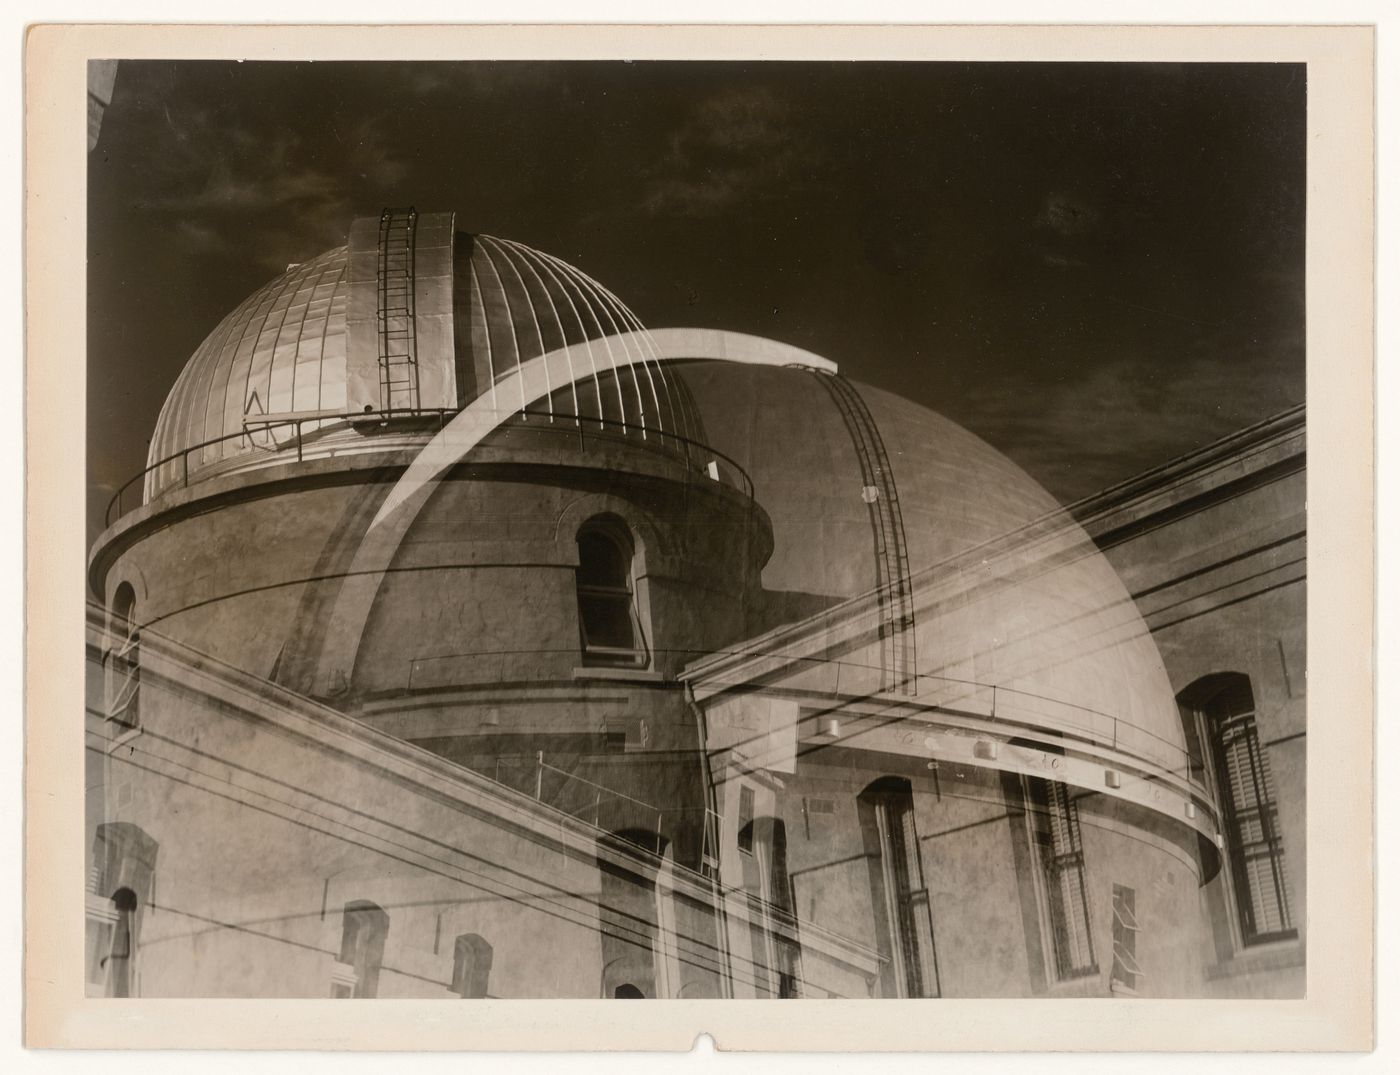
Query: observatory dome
<point x="1004" y="588"/>
<point x="411" y="316"/>
<point x="988" y="595"/>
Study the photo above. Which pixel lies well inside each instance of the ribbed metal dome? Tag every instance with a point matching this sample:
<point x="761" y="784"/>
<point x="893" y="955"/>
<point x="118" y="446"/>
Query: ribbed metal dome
<point x="281" y="349"/>
<point x="319" y="339"/>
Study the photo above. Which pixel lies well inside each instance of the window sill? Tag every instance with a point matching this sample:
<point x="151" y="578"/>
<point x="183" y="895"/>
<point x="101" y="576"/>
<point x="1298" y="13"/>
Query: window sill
<point x="625" y="675"/>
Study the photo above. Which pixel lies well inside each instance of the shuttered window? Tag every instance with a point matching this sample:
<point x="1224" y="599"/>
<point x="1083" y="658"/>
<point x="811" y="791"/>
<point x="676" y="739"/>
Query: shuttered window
<point x="1249" y="814"/>
<point x="1055" y="827"/>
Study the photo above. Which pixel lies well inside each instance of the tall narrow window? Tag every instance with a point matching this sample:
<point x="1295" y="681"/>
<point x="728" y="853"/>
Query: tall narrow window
<point x="124" y="661"/>
<point x="1126" y="972"/>
<point x="471" y="966"/>
<point x="773" y="926"/>
<point x="629" y="919"/>
<point x="364" y="930"/>
<point x="1054" y="820"/>
<point x="904" y="927"/>
<point x="607" y="615"/>
<point x="121" y="889"/>
<point x="1248" y="808"/>
<point x="1195" y="758"/>
<point x="122" y="956"/>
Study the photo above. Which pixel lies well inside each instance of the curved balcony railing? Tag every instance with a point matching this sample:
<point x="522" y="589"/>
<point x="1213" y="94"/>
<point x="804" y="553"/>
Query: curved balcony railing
<point x="1010" y="707"/>
<point x="1015" y="710"/>
<point x="699" y="458"/>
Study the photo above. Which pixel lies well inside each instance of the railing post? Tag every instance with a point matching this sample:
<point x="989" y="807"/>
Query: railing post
<point x="298" y="436"/>
<point x="539" y="775"/>
<point x="185" y="462"/>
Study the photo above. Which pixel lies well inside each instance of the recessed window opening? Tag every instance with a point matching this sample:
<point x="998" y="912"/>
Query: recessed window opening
<point x="123" y="864"/>
<point x="632" y="918"/>
<point x="1126" y="972"/>
<point x="773" y="930"/>
<point x="122" y="955"/>
<point x="609" y="629"/>
<point x="1244" y="785"/>
<point x="1054" y="821"/>
<point x="472" y="956"/>
<point x="364" y="930"/>
<point x="124" y="660"/>
<point x="904" y="925"/>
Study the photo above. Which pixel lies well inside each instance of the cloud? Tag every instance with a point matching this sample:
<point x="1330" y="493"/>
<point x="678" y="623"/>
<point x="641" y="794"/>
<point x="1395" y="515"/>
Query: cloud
<point x="740" y="145"/>
<point x="231" y="188"/>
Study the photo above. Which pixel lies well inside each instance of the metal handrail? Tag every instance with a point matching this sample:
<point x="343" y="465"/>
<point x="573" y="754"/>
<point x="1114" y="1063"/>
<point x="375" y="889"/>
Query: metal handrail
<point x="598" y="792"/>
<point x="183" y="455"/>
<point x="400" y="418"/>
<point x="1115" y="739"/>
<point x="582" y="422"/>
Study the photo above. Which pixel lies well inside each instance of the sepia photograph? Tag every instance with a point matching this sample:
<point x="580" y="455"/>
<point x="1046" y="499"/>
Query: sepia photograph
<point x="697" y="529"/>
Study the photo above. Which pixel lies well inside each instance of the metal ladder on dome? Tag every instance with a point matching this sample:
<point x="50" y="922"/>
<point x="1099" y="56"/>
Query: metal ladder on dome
<point x="398" y="340"/>
<point x="894" y="589"/>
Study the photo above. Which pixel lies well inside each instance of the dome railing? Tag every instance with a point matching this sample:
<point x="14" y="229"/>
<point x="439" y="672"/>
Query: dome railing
<point x="699" y="458"/>
<point x="1014" y="710"/>
<point x="181" y="460"/>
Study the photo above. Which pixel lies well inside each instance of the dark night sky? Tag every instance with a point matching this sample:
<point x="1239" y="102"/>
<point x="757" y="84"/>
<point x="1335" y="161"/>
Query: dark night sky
<point x="1096" y="267"/>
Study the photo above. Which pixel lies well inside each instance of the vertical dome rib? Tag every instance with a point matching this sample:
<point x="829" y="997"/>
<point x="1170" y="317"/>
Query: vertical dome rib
<point x="305" y="342"/>
<point x="629" y="342"/>
<point x="529" y="304"/>
<point x="295" y="321"/>
<point x="510" y="315"/>
<point x="601" y="333"/>
<point x="595" y="301"/>
<point x="641" y="340"/>
<point x="553" y="319"/>
<point x="632" y="324"/>
<point x="479" y="328"/>
<point x="543" y="263"/>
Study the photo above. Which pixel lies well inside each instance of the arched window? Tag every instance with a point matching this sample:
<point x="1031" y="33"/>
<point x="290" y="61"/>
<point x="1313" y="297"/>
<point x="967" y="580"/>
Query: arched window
<point x="607" y="613"/>
<point x="471" y="966"/>
<point x="124" y="661"/>
<point x="123" y="868"/>
<point x="904" y="926"/>
<point x="122" y="955"/>
<point x="1222" y="708"/>
<point x="365" y="926"/>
